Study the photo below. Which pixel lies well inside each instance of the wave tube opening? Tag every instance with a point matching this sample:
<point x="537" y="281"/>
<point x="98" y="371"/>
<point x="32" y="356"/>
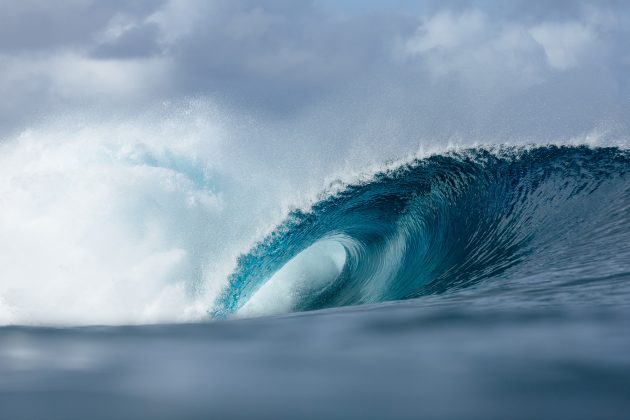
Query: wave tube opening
<point x="300" y="281"/>
<point x="443" y="224"/>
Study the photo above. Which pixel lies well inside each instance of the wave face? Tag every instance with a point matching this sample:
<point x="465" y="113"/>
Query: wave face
<point x="547" y="215"/>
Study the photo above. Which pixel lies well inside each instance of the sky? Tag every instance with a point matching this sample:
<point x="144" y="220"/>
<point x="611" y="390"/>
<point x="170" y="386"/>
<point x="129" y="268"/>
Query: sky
<point x="442" y="69"/>
<point x="145" y="145"/>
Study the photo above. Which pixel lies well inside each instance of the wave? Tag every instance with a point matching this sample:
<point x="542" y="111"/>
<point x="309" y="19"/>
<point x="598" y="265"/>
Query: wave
<point x="442" y="224"/>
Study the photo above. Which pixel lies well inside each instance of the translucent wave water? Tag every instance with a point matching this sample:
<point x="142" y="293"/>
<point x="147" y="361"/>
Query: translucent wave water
<point x="547" y="217"/>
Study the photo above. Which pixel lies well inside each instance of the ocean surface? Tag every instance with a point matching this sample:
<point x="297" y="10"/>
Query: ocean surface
<point x="479" y="283"/>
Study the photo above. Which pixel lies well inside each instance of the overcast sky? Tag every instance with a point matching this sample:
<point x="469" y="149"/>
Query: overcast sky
<point x="526" y="69"/>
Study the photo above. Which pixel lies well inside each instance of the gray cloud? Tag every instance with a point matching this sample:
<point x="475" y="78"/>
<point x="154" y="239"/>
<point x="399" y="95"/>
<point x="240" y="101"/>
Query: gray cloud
<point x="479" y="68"/>
<point x="133" y="42"/>
<point x="278" y="57"/>
<point x="40" y="25"/>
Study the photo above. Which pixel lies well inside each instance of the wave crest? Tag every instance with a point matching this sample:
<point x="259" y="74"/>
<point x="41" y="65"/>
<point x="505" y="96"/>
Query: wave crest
<point x="444" y="223"/>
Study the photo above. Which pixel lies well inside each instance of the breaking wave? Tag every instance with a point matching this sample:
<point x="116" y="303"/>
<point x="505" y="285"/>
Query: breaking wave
<point x="441" y="224"/>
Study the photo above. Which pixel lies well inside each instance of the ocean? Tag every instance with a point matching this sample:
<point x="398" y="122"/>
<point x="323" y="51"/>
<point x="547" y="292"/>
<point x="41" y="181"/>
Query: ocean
<point x="489" y="282"/>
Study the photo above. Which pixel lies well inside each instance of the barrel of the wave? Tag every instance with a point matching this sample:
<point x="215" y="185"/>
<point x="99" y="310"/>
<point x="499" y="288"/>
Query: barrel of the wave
<point x="439" y="225"/>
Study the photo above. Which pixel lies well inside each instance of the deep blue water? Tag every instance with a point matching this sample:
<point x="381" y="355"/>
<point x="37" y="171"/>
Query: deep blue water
<point x="477" y="284"/>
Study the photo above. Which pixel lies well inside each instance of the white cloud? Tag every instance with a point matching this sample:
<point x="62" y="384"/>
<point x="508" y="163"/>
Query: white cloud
<point x="481" y="52"/>
<point x="74" y="76"/>
<point x="446" y="31"/>
<point x="33" y="85"/>
<point x="565" y="44"/>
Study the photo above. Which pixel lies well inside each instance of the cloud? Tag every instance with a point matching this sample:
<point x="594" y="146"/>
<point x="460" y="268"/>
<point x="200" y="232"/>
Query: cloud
<point x="276" y="55"/>
<point x="42" y="26"/>
<point x="473" y="48"/>
<point x="129" y="41"/>
<point x="565" y="43"/>
<point x="445" y="31"/>
<point x="440" y="68"/>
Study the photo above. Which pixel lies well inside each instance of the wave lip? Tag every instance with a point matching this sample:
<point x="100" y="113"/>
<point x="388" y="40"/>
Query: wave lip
<point x="442" y="224"/>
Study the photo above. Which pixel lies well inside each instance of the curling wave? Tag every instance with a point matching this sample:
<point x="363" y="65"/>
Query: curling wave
<point x="442" y="224"/>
